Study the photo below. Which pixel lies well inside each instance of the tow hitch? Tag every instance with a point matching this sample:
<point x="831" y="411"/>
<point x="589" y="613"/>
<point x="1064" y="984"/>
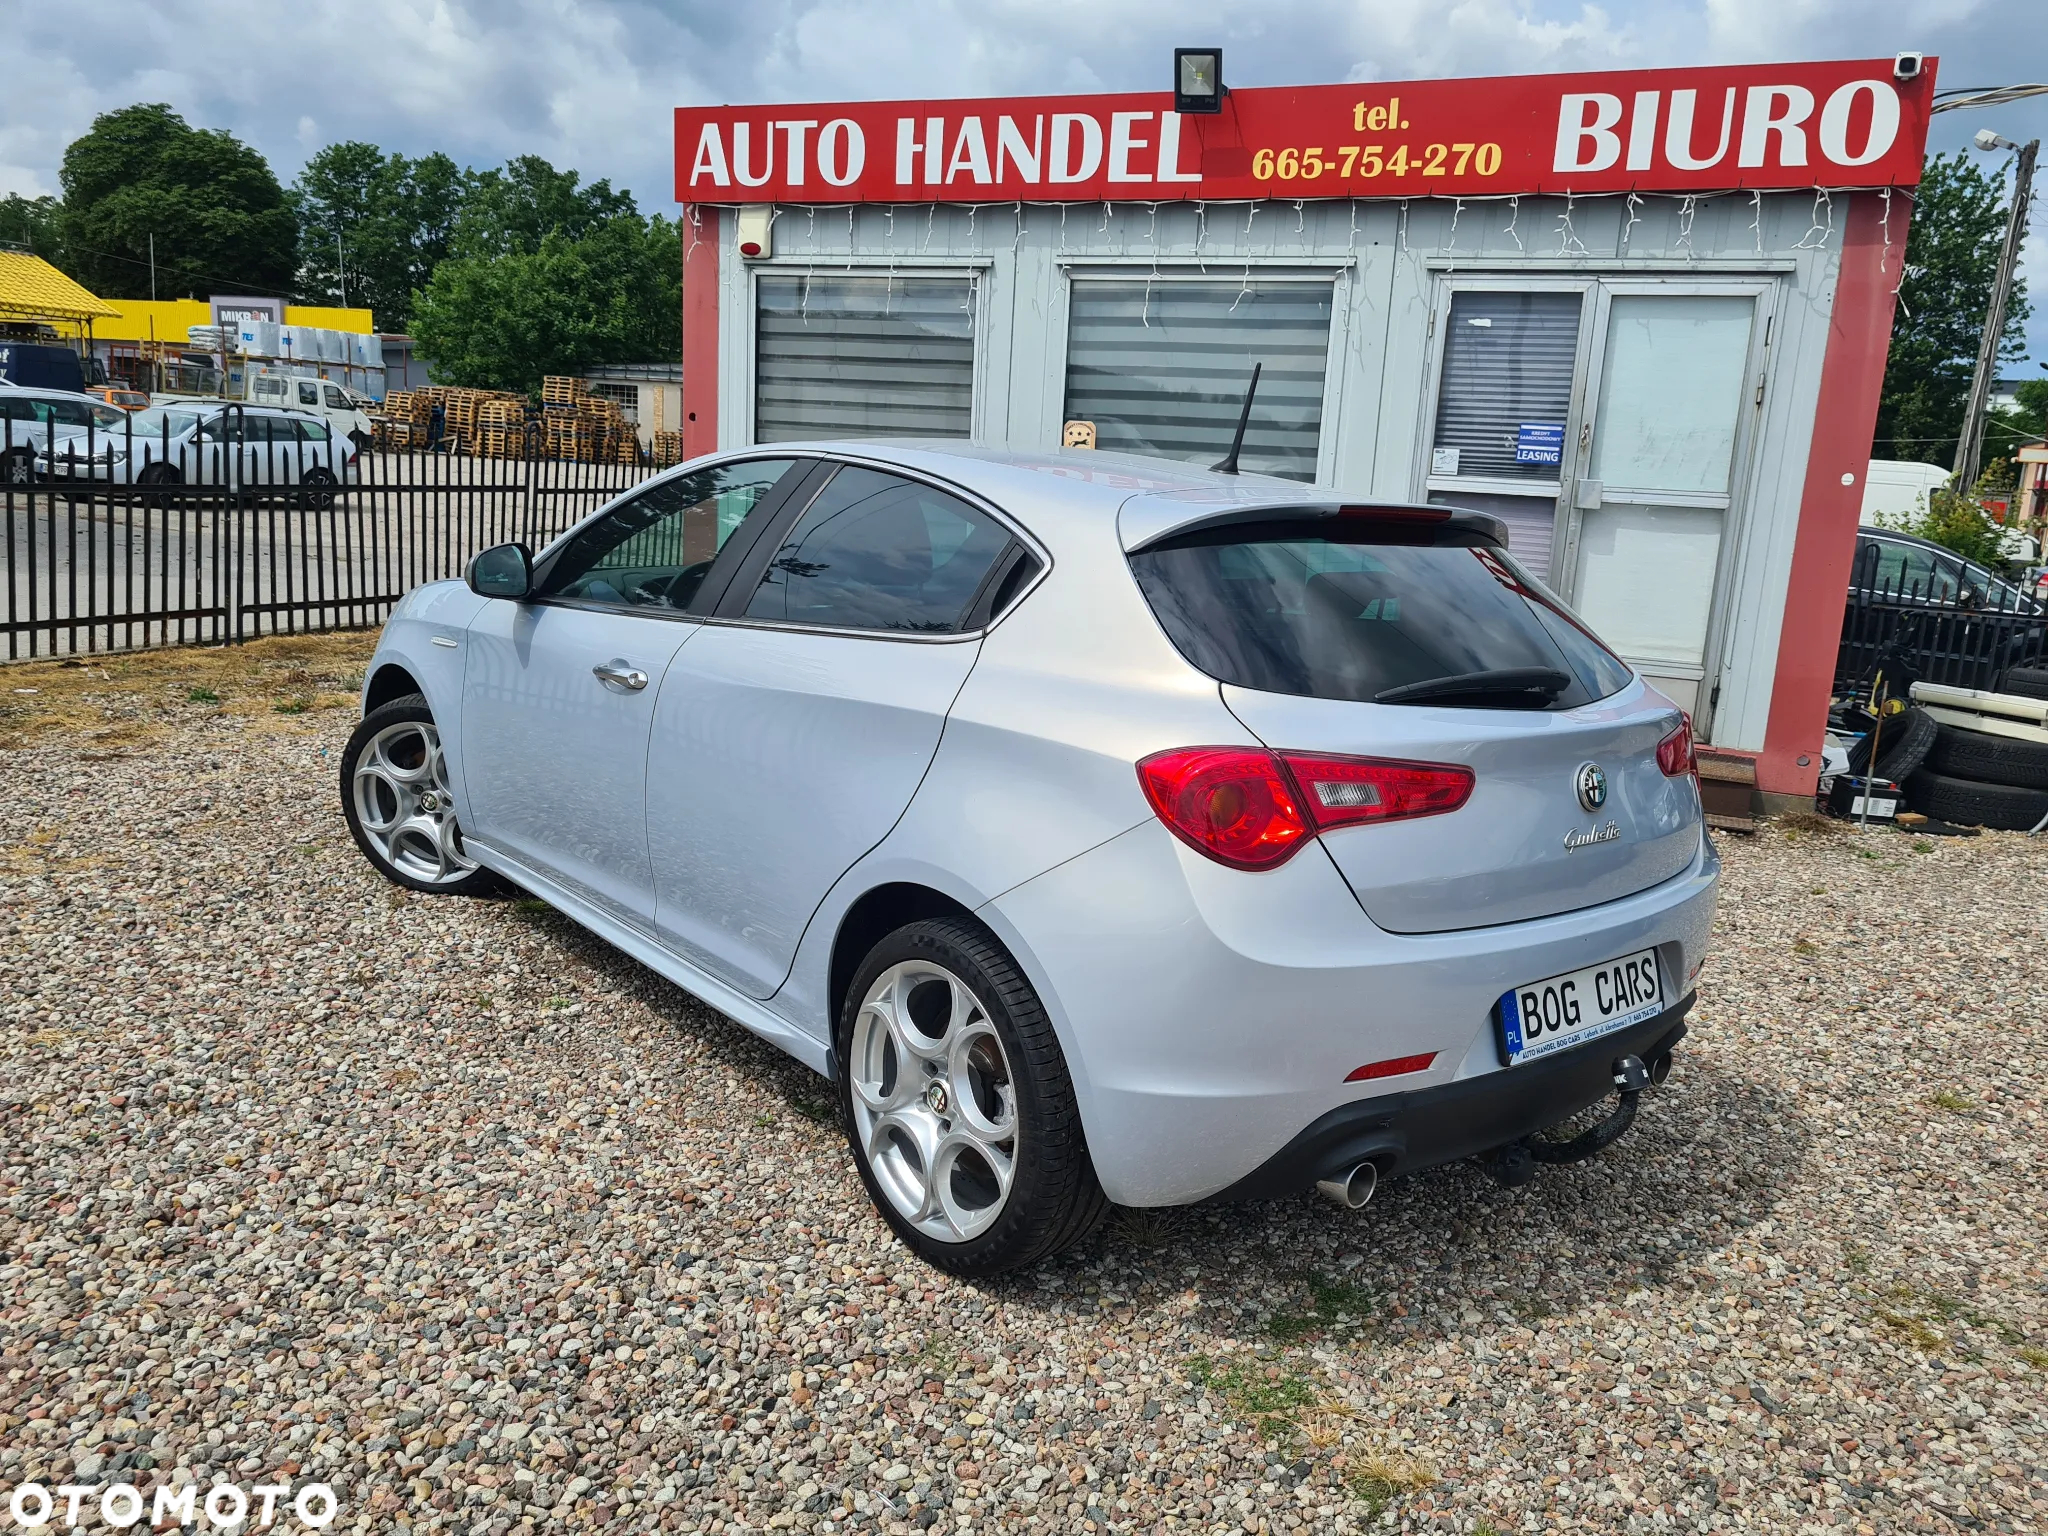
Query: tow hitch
<point x="1515" y="1163"/>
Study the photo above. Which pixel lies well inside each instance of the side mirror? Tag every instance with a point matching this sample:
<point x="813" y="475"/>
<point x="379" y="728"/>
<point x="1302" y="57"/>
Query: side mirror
<point x="503" y="571"/>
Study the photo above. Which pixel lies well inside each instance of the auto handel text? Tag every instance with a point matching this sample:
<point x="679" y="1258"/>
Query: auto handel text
<point x="34" y="1506"/>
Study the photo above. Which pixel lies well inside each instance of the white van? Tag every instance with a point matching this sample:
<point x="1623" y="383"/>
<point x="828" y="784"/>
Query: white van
<point x="321" y="397"/>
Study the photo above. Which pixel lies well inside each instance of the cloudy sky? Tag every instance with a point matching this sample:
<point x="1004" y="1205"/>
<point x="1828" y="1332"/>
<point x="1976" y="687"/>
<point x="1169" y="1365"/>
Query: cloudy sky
<point x="588" y="83"/>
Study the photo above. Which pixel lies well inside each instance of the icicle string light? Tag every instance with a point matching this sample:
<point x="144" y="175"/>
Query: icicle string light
<point x="1822" y="203"/>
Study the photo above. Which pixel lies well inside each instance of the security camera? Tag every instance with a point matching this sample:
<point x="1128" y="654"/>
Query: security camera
<point x="1906" y="67"/>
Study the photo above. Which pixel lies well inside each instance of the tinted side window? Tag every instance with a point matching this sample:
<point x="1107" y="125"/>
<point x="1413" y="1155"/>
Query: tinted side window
<point x="313" y="431"/>
<point x="654" y="551"/>
<point x="876" y="552"/>
<point x="309" y="393"/>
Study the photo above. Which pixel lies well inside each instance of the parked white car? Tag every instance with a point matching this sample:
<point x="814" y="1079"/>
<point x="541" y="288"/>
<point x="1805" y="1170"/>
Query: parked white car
<point x="231" y="446"/>
<point x="34" y="422"/>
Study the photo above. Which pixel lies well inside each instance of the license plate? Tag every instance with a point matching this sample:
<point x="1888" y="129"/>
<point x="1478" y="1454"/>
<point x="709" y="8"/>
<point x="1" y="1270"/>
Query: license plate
<point x="1563" y="1011"/>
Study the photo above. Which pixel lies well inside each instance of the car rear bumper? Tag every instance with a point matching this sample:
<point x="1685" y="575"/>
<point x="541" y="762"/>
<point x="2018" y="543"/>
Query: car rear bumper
<point x="1209" y="1015"/>
<point x="1407" y="1132"/>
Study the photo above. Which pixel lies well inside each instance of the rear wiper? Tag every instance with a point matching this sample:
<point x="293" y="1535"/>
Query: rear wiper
<point x="1525" y="685"/>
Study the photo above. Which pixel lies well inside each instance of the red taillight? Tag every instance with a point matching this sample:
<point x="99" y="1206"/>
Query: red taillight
<point x="1343" y="791"/>
<point x="1251" y="809"/>
<point x="1675" y="754"/>
<point x="1232" y="804"/>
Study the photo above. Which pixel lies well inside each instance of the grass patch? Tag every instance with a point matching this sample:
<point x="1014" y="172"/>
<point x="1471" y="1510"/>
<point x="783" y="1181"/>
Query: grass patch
<point x="531" y="906"/>
<point x="1805" y="823"/>
<point x="1332" y="1303"/>
<point x="1147" y="1226"/>
<point x="1950" y="1100"/>
<point x="296" y="705"/>
<point x="132" y="697"/>
<point x="2037" y="1358"/>
<point x="1914" y="1330"/>
<point x="1266" y="1395"/>
<point x="817" y="1111"/>
<point x="1376" y="1480"/>
<point x="1922" y="846"/>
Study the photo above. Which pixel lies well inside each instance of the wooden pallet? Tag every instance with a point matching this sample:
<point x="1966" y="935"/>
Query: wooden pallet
<point x="558" y="389"/>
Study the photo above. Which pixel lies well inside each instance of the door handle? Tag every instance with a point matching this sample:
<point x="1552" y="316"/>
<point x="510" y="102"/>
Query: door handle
<point x="624" y="673"/>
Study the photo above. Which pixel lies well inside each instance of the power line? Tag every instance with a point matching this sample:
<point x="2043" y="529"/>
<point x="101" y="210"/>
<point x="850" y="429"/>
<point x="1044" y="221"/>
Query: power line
<point x="1965" y="97"/>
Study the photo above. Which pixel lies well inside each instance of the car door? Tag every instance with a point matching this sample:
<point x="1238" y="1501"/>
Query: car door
<point x="559" y="689"/>
<point x="793" y="730"/>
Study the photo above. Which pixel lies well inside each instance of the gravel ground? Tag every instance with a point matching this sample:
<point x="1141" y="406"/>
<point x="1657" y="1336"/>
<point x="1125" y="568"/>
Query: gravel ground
<point x="452" y="1207"/>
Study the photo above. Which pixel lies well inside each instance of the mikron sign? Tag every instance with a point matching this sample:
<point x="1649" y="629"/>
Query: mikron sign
<point x="1779" y="126"/>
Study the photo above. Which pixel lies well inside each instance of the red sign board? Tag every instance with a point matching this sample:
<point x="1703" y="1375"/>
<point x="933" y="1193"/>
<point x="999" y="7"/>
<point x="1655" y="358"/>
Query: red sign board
<point x="1770" y="126"/>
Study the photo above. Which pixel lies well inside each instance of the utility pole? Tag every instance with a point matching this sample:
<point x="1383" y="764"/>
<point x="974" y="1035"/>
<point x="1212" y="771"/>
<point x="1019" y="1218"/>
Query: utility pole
<point x="340" y="272"/>
<point x="152" y="266"/>
<point x="1970" y="447"/>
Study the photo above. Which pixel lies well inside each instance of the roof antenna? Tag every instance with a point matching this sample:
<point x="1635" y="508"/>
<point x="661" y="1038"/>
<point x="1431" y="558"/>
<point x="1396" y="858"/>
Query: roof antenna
<point x="1229" y="464"/>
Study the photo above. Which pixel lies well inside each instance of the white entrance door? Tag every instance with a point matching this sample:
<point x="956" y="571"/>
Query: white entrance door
<point x="1654" y="499"/>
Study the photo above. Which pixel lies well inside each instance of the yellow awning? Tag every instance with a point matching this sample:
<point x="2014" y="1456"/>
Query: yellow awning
<point x="32" y="289"/>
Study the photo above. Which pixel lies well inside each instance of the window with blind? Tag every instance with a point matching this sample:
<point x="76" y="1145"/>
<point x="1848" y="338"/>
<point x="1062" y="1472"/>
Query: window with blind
<point x="863" y="357"/>
<point x="1161" y="368"/>
<point x="1508" y="365"/>
<point x="1503" y="406"/>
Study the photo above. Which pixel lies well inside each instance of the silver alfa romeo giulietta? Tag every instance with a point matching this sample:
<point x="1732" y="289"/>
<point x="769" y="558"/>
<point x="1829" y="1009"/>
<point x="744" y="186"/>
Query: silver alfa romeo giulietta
<point x="1106" y="829"/>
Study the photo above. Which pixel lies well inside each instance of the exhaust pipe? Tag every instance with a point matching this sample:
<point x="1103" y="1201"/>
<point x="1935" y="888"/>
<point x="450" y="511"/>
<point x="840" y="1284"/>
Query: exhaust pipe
<point x="1355" y="1188"/>
<point x="1660" y="1069"/>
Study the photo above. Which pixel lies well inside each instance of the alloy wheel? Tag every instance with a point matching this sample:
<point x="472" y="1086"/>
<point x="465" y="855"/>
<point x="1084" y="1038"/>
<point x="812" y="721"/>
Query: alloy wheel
<point x="934" y="1101"/>
<point x="405" y="807"/>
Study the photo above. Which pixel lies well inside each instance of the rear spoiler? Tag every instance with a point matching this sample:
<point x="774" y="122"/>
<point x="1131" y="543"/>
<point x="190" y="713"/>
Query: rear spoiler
<point x="1147" y="521"/>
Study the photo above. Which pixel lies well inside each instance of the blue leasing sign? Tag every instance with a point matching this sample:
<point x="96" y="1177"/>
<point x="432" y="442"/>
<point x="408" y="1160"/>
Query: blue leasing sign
<point x="1538" y="443"/>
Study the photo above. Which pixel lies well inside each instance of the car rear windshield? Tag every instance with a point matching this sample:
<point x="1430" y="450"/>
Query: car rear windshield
<point x="1358" y="613"/>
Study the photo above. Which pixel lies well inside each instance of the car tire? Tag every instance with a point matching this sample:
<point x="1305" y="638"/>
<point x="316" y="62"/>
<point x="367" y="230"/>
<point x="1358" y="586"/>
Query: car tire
<point x="1971" y="804"/>
<point x="1989" y="759"/>
<point x="2027" y="682"/>
<point x="316" y="488"/>
<point x="155" y="480"/>
<point x="389" y="769"/>
<point x="1903" y="742"/>
<point x="947" y="1064"/>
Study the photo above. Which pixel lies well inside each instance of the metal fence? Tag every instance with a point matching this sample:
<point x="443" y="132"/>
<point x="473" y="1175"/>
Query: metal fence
<point x="156" y="533"/>
<point x="1931" y="626"/>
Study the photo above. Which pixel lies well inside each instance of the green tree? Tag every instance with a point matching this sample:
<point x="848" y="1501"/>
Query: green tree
<point x="386" y="219"/>
<point x="30" y="224"/>
<point x="1952" y="251"/>
<point x="221" y="222"/>
<point x="2025" y="422"/>
<point x="547" y="276"/>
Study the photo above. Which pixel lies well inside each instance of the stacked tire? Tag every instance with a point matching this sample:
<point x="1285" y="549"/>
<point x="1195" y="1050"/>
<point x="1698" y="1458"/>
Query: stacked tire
<point x="1903" y="742"/>
<point x="1977" y="779"/>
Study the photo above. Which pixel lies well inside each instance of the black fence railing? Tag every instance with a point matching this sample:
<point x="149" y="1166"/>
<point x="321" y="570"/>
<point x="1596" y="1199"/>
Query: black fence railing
<point x="190" y="525"/>
<point x="1925" y="622"/>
